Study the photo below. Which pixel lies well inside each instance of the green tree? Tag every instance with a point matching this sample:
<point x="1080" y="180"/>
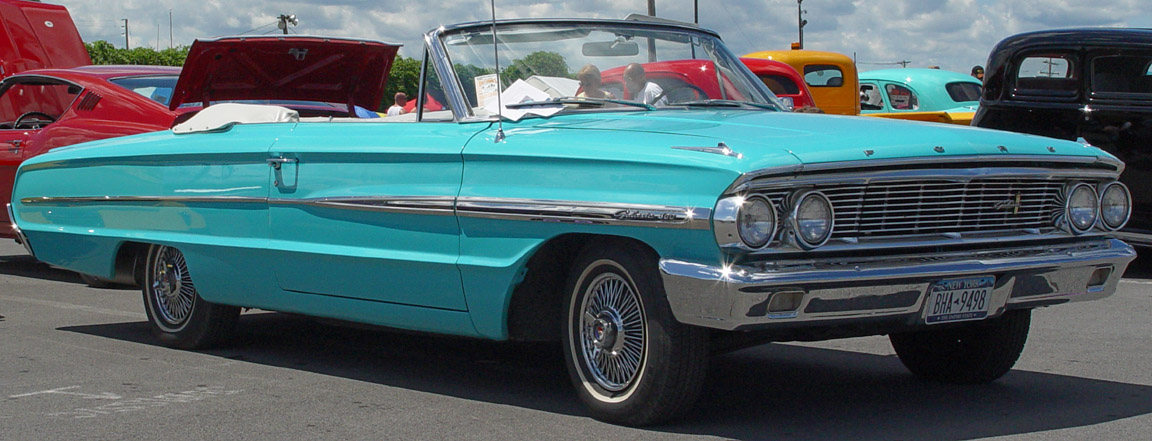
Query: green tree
<point x="404" y="77"/>
<point x="103" y="52"/>
<point x="543" y="63"/>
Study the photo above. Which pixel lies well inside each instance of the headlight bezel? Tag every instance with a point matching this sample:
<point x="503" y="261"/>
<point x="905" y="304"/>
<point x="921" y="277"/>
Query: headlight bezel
<point x="774" y="221"/>
<point x="1103" y="190"/>
<point x="794" y="219"/>
<point x="1070" y="195"/>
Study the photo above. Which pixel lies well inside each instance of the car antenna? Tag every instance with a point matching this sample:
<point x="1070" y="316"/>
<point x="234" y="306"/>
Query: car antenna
<point x="499" y="103"/>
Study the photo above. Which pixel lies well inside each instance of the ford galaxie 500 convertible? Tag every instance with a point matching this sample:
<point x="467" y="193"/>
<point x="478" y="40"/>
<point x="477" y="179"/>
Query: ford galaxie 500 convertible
<point x="638" y="233"/>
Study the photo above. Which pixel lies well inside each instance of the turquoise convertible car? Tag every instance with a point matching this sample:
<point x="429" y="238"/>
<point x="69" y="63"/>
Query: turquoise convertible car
<point x="644" y="230"/>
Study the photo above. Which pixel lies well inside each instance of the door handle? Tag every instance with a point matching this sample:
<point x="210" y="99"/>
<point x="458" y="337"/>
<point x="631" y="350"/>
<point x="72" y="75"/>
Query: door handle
<point x="277" y="162"/>
<point x="15" y="146"/>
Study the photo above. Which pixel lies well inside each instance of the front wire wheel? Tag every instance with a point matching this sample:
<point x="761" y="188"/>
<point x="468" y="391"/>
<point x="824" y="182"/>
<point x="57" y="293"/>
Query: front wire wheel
<point x="612" y="332"/>
<point x="179" y="316"/>
<point x="630" y="360"/>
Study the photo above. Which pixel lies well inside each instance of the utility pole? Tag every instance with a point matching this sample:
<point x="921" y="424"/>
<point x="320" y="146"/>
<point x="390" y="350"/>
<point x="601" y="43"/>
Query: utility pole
<point x="696" y="11"/>
<point x="904" y="63"/>
<point x="800" y="20"/>
<point x="652" y="8"/>
<point x="171" y="40"/>
<point x="126" y="33"/>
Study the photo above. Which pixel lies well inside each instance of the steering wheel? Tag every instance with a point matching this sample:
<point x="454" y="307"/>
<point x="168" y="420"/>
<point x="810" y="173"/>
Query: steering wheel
<point x="40" y="116"/>
<point x="677" y="94"/>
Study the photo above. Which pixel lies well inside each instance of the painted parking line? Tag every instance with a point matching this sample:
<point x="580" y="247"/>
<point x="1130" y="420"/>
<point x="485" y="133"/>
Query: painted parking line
<point x="1136" y="281"/>
<point x="74" y="307"/>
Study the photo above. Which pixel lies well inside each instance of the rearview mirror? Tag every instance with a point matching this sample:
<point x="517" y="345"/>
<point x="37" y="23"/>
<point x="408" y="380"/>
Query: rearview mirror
<point x="611" y="49"/>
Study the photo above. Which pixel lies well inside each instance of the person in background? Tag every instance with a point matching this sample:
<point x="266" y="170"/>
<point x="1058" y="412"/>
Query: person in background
<point x="589" y="77"/>
<point x="978" y="72"/>
<point x="637" y="84"/>
<point x="398" y="106"/>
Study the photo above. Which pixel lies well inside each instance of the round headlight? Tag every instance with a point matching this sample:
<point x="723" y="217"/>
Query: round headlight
<point x="1082" y="208"/>
<point x="812" y="219"/>
<point x="1115" y="206"/>
<point x="756" y="222"/>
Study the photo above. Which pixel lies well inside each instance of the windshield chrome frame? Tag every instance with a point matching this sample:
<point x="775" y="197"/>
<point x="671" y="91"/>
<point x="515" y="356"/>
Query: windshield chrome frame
<point x="454" y="91"/>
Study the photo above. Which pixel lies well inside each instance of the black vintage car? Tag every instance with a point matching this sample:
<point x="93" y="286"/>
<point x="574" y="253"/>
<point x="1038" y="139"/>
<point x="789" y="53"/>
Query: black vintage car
<point x="1094" y="84"/>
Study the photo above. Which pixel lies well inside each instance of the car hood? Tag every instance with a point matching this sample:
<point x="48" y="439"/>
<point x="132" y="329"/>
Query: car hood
<point x="759" y="137"/>
<point x="297" y="68"/>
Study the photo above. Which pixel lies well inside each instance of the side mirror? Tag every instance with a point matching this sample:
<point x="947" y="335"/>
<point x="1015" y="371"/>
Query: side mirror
<point x="610" y="49"/>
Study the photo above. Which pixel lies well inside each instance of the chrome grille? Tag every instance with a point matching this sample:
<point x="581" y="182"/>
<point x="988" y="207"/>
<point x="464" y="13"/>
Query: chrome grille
<point x="887" y="209"/>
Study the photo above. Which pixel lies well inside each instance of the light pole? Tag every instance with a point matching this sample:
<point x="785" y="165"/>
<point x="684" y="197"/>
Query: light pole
<point x="286" y="20"/>
<point x="800" y="21"/>
<point x="126" y="33"/>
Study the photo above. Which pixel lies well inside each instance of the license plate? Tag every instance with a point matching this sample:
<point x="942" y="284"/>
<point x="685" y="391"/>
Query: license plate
<point x="958" y="300"/>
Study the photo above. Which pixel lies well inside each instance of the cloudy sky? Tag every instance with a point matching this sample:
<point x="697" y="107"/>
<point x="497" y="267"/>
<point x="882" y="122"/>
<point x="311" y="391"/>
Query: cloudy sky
<point x="954" y="34"/>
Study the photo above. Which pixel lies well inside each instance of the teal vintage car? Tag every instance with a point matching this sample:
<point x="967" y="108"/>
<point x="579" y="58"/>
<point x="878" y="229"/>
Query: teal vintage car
<point x="644" y="230"/>
<point x="920" y="94"/>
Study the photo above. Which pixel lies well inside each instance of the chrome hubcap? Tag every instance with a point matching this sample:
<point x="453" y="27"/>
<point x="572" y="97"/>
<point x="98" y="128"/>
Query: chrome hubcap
<point x="612" y="332"/>
<point x="172" y="287"/>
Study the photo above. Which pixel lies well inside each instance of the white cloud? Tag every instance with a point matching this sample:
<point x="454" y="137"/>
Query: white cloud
<point x="954" y="34"/>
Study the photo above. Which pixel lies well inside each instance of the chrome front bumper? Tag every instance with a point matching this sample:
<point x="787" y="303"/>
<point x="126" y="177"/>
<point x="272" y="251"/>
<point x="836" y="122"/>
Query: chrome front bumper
<point x="20" y="237"/>
<point x="846" y="290"/>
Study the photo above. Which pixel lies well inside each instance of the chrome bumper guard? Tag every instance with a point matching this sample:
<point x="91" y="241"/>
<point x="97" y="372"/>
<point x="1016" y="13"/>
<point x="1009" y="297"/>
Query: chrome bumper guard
<point x="836" y="291"/>
<point x="20" y="237"/>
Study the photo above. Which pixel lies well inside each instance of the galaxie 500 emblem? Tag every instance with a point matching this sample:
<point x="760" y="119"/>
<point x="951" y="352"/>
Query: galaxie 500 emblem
<point x="648" y="215"/>
<point x="1013" y="204"/>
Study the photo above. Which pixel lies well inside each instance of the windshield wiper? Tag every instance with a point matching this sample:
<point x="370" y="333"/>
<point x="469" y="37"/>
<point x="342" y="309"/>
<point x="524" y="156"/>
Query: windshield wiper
<point x="579" y="101"/>
<point x="727" y="103"/>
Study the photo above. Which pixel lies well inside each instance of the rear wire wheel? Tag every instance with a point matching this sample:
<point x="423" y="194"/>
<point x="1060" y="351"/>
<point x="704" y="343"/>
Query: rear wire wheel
<point x="177" y="313"/>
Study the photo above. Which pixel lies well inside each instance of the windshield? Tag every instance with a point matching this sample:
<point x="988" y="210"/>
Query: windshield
<point x="604" y="66"/>
<point x="158" y="88"/>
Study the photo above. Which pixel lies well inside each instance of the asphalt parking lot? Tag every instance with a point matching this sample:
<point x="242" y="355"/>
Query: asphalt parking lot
<point x="79" y="363"/>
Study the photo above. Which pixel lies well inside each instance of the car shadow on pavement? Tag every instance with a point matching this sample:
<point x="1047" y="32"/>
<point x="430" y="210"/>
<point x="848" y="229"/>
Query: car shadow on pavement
<point x="769" y="391"/>
<point x="23" y="265"/>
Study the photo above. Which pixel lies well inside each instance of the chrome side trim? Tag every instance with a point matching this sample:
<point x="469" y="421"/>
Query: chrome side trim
<point x="430" y="205"/>
<point x="585" y="212"/>
<point x="849" y="290"/>
<point x="141" y="199"/>
<point x="490" y="208"/>
<point x="744" y="182"/>
<point x="20" y="237"/>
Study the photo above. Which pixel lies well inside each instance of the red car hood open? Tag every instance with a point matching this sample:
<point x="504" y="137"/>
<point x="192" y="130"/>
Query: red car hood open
<point x="296" y="68"/>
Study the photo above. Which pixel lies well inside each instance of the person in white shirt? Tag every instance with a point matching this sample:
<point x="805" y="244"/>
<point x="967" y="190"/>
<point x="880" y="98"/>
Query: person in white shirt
<point x="398" y="106"/>
<point x="640" y="88"/>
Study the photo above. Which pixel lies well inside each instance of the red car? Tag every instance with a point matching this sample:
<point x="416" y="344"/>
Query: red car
<point x="36" y="35"/>
<point x="687" y="80"/>
<point x="681" y="80"/>
<point x="48" y="108"/>
<point x="782" y="80"/>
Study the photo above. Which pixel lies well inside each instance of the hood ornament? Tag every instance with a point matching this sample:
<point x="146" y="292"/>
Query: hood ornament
<point x="720" y="149"/>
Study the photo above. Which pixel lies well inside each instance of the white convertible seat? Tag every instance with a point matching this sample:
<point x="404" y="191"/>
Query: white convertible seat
<point x="223" y="116"/>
